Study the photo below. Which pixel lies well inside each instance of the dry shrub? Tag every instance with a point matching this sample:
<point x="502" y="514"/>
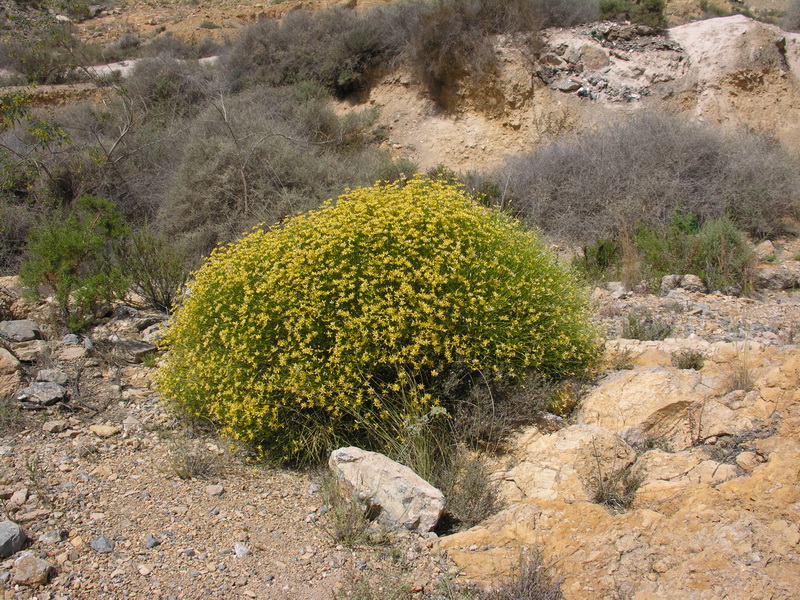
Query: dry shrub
<point x="336" y="48"/>
<point x="603" y="184"/>
<point x="531" y="579"/>
<point x="257" y="158"/>
<point x="790" y="21"/>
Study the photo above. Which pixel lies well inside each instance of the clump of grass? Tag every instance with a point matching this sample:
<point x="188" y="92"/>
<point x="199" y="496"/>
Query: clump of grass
<point x="348" y="520"/>
<point x="187" y="460"/>
<point x="530" y="580"/>
<point x="471" y="495"/>
<point x="689" y="359"/>
<point x="616" y="490"/>
<point x="643" y="325"/>
<point x="619" y="359"/>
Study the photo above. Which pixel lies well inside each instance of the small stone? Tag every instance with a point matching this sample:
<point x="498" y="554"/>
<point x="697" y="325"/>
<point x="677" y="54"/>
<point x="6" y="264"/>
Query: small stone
<point x="240" y="551"/>
<point x="31" y="571"/>
<point x="41" y="394"/>
<point x="104" y="431"/>
<point x="135" y="350"/>
<point x="55" y="426"/>
<point x="12" y="537"/>
<point x="102" y="545"/>
<point x="19" y="497"/>
<point x="151" y="541"/>
<point x="70" y="354"/>
<point x="144" y="570"/>
<point x="53" y="537"/>
<point x="70" y="338"/>
<point x="215" y="490"/>
<point x="747" y="460"/>
<point x="566" y="85"/>
<point x="53" y="375"/>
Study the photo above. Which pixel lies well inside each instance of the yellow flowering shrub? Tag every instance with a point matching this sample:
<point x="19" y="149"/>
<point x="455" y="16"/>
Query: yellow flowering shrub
<point x="329" y="328"/>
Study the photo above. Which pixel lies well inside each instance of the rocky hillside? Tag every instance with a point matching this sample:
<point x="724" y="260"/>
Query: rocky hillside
<point x="727" y="71"/>
<point x="665" y="481"/>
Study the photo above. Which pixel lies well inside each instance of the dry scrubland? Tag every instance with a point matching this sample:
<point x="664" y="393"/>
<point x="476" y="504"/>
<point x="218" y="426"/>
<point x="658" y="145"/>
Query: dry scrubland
<point x="620" y="421"/>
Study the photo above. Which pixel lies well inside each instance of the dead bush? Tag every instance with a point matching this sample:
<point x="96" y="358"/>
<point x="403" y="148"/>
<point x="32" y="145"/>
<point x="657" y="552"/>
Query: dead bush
<point x="604" y="184"/>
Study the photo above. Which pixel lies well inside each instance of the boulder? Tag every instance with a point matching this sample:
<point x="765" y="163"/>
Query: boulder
<point x="775" y="278"/>
<point x="566" y="465"/>
<point x="12" y="537"/>
<point x="23" y="330"/>
<point x="43" y="393"/>
<point x="401" y="498"/>
<point x="594" y="57"/>
<point x="765" y="250"/>
<point x="669" y="283"/>
<point x="29" y="351"/>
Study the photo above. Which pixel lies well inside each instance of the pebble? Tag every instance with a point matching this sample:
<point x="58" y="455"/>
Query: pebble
<point x="215" y="490"/>
<point x="102" y="545"/>
<point x="104" y="431"/>
<point x="240" y="551"/>
<point x="151" y="541"/>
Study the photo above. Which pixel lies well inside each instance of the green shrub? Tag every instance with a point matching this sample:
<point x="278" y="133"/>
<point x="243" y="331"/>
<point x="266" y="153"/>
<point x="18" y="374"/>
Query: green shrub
<point x="717" y="252"/>
<point x="646" y="12"/>
<point x="339" y="326"/>
<point x="73" y="252"/>
<point x="689" y="359"/>
<point x="156" y="268"/>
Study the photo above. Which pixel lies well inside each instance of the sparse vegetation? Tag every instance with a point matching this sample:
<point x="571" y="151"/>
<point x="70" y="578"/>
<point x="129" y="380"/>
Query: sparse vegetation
<point x="188" y="459"/>
<point x="347" y="520"/>
<point x="689" y="359"/>
<point x="643" y="325"/>
<point x="471" y="496"/>
<point x="532" y="579"/>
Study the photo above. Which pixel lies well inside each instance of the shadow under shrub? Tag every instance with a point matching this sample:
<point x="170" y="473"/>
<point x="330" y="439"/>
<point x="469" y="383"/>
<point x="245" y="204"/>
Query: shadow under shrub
<point x="340" y="323"/>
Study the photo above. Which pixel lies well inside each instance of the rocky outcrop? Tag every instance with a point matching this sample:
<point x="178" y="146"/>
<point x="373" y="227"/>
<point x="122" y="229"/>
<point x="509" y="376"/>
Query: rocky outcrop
<point x="566" y="465"/>
<point x="713" y="473"/>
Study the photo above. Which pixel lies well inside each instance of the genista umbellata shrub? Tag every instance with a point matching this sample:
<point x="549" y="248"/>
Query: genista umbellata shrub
<point x="340" y="325"/>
